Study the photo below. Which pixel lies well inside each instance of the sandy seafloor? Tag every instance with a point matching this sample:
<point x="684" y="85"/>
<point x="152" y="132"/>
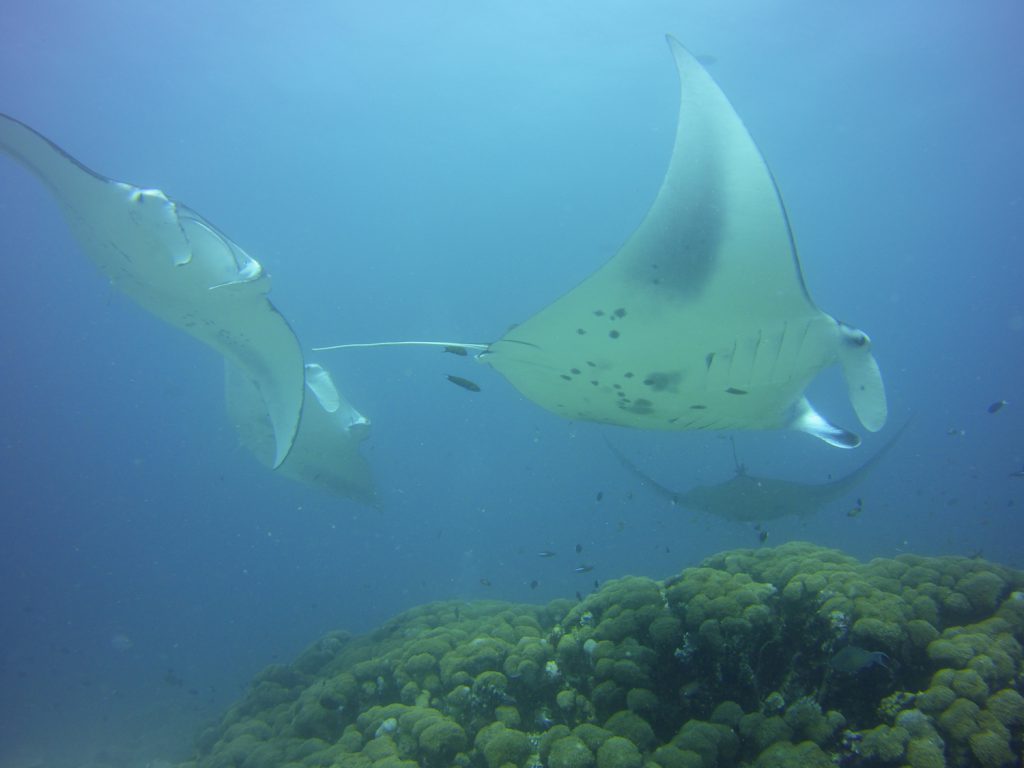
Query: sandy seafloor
<point x="443" y="171"/>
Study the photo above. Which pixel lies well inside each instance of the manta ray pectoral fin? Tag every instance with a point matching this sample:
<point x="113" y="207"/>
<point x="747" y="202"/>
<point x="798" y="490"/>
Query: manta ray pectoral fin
<point x="806" y="419"/>
<point x="863" y="378"/>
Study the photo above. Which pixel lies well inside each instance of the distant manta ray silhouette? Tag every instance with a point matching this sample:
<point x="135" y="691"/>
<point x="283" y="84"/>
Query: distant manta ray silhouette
<point x="753" y="499"/>
<point x="702" y="319"/>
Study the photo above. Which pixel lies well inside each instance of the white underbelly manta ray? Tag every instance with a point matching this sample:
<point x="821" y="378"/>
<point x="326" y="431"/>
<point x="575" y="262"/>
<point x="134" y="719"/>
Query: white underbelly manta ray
<point x="702" y="319"/>
<point x="178" y="266"/>
<point x="185" y="271"/>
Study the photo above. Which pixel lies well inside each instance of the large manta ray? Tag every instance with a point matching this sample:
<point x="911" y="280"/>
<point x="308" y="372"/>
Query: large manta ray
<point x="185" y="271"/>
<point x="178" y="266"/>
<point x="702" y="320"/>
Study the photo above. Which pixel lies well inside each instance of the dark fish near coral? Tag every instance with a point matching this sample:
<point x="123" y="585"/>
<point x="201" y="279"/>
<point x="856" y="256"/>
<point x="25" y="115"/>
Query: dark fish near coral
<point x="857" y="509"/>
<point x="485" y="582"/>
<point x="853" y="659"/>
<point x="546" y="553"/>
<point x="458" y="381"/>
<point x="600" y="495"/>
<point x="460" y="351"/>
<point x="762" y="536"/>
<point x="579" y="548"/>
<point x="997" y="406"/>
<point x="534" y="584"/>
<point x="583" y="569"/>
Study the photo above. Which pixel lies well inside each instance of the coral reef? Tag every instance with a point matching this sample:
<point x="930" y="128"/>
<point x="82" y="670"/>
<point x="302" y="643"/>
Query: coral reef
<point x="787" y="656"/>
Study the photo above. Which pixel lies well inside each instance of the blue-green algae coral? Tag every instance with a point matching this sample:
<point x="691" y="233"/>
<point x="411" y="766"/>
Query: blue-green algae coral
<point x="727" y="664"/>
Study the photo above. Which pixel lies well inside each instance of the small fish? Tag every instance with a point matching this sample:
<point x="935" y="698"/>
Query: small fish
<point x="460" y="351"/>
<point x="997" y="406"/>
<point x="485" y="582"/>
<point x="579" y="597"/>
<point x="546" y="553"/>
<point x="762" y="536"/>
<point x="852" y="660"/>
<point x="667" y="550"/>
<point x="534" y="584"/>
<point x="600" y="495"/>
<point x="1018" y="473"/>
<point x="854" y="511"/>
<point x="954" y="432"/>
<point x="464" y="383"/>
<point x="583" y="569"/>
<point x="579" y="548"/>
<point x="596" y="584"/>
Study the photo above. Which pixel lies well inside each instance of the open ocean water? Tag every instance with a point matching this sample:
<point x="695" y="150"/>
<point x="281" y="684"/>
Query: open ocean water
<point x="441" y="171"/>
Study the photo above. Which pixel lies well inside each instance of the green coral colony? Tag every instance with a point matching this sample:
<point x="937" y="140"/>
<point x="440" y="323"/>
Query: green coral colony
<point x="792" y="656"/>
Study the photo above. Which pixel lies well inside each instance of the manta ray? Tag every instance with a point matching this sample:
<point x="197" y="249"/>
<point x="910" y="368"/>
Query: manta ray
<point x="180" y="267"/>
<point x="177" y="265"/>
<point x="702" y="320"/>
<point x="753" y="499"/>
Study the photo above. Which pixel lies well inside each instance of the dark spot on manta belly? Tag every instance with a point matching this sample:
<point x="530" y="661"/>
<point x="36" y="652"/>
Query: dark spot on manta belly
<point x="734" y="391"/>
<point x="575" y="371"/>
<point x="698" y="407"/>
<point x="581" y="332"/>
<point x="639" y="406"/>
<point x="660" y="381"/>
<point x="613" y="334"/>
<point x="566" y="376"/>
<point x="598" y="312"/>
<point x="620" y="312"/>
<point x="627" y="375"/>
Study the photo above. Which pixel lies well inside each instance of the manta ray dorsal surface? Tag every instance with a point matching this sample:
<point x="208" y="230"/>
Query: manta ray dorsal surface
<point x="747" y="497"/>
<point x="702" y="319"/>
<point x="178" y="266"/>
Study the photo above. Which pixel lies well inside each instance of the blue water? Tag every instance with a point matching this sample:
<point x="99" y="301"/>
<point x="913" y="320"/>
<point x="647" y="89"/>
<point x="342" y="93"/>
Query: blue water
<point x="444" y="170"/>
